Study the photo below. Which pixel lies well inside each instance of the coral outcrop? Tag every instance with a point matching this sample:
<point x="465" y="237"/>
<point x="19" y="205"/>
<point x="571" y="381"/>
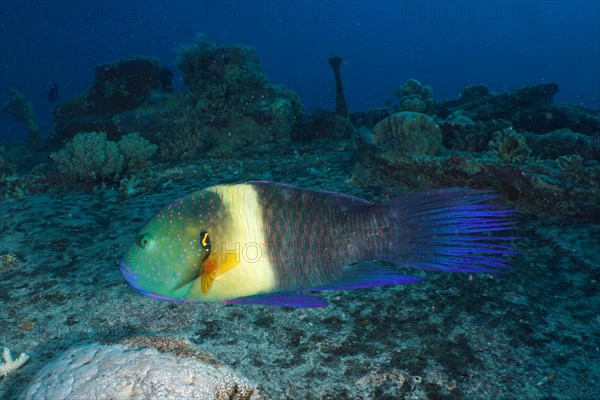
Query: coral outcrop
<point x="530" y="109"/>
<point x="230" y="101"/>
<point x="120" y="371"/>
<point x="341" y="108"/>
<point x="118" y="87"/>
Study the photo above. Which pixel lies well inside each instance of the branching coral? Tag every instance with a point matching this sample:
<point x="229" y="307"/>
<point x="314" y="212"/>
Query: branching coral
<point x="136" y="150"/>
<point x="11" y="364"/>
<point x="90" y="157"/>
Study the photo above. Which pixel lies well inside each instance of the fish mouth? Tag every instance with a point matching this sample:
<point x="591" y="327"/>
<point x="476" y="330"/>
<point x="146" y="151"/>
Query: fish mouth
<point x="131" y="278"/>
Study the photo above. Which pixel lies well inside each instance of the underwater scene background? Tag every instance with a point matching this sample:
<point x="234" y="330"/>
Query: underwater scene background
<point x="111" y="110"/>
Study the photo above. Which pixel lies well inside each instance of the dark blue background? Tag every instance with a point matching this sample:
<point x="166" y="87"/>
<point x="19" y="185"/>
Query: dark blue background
<point x="446" y="45"/>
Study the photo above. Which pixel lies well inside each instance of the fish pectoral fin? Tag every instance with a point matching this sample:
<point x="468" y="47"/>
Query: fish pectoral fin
<point x="212" y="271"/>
<point x="206" y="281"/>
<point x="231" y="261"/>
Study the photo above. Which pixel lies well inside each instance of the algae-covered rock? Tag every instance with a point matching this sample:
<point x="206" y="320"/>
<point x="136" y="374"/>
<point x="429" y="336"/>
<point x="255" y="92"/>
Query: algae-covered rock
<point x="408" y="132"/>
<point x="217" y="71"/>
<point x="562" y="142"/>
<point x="462" y="133"/>
<point x="119" y="86"/>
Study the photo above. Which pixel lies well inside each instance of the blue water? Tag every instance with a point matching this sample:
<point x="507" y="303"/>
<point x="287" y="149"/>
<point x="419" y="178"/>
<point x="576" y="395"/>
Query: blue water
<point x="446" y="45"/>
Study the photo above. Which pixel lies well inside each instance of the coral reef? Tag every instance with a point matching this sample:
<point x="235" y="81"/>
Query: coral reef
<point x="10" y="364"/>
<point x="90" y="157"/>
<point x="536" y="187"/>
<point x="22" y="111"/>
<point x="130" y="372"/>
<point x="229" y="102"/>
<point x="408" y="132"/>
<point x="341" y="108"/>
<point x="414" y="96"/>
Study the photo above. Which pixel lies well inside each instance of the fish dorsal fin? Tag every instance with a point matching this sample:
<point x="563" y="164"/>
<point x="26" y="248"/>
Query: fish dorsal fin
<point x="212" y="270"/>
<point x="344" y="201"/>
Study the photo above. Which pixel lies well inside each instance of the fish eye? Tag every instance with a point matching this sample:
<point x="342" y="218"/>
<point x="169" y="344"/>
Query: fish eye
<point x="145" y="240"/>
<point x="205" y="244"/>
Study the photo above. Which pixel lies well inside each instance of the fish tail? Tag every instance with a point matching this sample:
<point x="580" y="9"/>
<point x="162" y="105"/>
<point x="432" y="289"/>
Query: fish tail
<point x="452" y="230"/>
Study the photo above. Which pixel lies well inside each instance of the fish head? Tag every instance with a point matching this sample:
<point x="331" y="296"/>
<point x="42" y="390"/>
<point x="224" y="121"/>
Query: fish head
<point x="168" y="253"/>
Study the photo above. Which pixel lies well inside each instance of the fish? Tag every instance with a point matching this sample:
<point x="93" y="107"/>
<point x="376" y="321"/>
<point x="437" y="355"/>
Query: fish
<point x="52" y="93"/>
<point x="268" y="243"/>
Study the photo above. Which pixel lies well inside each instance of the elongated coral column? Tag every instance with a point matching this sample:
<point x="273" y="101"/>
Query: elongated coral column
<point x="340" y="101"/>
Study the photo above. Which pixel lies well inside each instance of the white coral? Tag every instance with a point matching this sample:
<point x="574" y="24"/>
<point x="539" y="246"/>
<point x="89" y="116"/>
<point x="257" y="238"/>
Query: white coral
<point x="10" y="364"/>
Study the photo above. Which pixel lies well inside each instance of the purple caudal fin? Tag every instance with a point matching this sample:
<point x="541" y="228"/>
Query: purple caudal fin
<point x="452" y="230"/>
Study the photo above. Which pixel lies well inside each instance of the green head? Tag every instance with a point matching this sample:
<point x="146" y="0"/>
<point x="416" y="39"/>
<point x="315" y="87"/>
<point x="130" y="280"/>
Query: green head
<point x="167" y="254"/>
